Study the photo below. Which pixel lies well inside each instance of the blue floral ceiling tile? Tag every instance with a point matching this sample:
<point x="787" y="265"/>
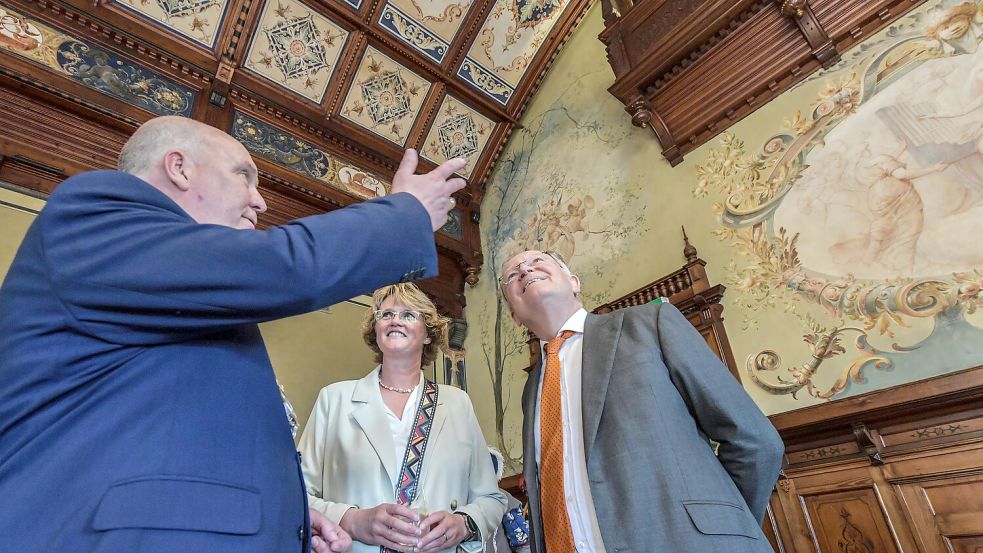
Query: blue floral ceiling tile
<point x="412" y="33"/>
<point x="197" y="20"/>
<point x="484" y="80"/>
<point x="92" y="66"/>
<point x="385" y="97"/>
<point x="296" y="48"/>
<point x="457" y="131"/>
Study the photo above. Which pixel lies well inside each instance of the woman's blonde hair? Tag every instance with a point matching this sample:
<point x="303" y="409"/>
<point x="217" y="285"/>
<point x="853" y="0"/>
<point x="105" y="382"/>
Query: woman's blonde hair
<point x="412" y="297"/>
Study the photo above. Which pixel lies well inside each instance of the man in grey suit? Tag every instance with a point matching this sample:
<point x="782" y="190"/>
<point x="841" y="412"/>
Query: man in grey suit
<point x="618" y="423"/>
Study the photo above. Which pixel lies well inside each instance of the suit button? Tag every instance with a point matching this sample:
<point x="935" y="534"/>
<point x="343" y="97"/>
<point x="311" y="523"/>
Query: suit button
<point x="301" y="534"/>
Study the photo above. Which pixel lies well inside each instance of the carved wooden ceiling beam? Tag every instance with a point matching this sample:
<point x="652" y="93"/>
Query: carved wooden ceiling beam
<point x="689" y="69"/>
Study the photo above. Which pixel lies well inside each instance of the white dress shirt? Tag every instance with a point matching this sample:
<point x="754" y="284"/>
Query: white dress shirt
<point x="401" y="427"/>
<point x="580" y="505"/>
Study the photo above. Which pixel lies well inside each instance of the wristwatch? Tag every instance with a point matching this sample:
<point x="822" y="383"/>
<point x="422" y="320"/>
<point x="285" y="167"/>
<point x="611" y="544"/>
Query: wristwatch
<point x="473" y="533"/>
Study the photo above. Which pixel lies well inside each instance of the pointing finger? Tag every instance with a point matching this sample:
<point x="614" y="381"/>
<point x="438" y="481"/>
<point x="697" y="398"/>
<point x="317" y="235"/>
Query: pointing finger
<point x="407" y="165"/>
<point x="449" y="167"/>
<point x="456" y="184"/>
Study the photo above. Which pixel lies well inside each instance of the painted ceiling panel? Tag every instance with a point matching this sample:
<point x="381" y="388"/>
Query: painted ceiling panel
<point x="92" y="66"/>
<point x="417" y="36"/>
<point x="509" y="39"/>
<point x="296" y="47"/>
<point x="458" y="131"/>
<point x="197" y="20"/>
<point x="385" y="96"/>
<point x="441" y="17"/>
<point x="298" y="155"/>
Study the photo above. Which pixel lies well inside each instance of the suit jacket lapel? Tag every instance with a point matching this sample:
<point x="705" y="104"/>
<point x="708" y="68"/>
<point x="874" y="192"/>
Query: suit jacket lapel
<point x="601" y="334"/>
<point x="531" y="399"/>
<point x="370" y="414"/>
<point x="530" y="469"/>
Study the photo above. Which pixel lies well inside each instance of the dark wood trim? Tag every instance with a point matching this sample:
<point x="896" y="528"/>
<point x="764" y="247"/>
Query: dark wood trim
<point x="936" y="395"/>
<point x="688" y="70"/>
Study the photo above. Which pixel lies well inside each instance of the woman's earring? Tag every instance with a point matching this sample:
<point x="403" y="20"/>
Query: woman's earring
<point x="427" y="341"/>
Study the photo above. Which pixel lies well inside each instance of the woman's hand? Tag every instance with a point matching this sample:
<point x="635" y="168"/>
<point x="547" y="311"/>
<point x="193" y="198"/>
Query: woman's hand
<point x="446" y="531"/>
<point x="384" y="524"/>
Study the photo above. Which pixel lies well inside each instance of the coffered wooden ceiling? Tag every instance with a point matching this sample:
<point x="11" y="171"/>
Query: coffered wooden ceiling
<point x="326" y="94"/>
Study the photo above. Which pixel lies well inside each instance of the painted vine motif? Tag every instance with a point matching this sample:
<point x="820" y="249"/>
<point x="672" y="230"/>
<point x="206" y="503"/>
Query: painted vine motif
<point x="552" y="202"/>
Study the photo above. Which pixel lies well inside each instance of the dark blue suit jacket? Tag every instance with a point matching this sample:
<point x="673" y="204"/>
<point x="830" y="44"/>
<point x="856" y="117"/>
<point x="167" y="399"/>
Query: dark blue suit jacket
<point x="138" y="408"/>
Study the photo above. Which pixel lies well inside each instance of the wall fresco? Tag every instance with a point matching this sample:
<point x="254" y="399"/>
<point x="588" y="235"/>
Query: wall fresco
<point x="861" y="216"/>
<point x="552" y="189"/>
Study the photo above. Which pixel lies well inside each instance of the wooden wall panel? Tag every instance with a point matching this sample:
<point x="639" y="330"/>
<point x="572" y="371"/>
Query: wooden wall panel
<point x="849" y="521"/>
<point x="898" y="470"/>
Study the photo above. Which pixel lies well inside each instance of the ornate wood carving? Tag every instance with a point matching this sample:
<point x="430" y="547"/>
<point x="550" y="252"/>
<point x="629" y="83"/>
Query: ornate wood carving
<point x="687" y="70"/>
<point x="906" y="475"/>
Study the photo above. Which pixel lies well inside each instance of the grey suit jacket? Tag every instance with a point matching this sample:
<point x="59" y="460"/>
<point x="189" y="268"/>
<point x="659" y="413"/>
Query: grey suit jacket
<point x="653" y="393"/>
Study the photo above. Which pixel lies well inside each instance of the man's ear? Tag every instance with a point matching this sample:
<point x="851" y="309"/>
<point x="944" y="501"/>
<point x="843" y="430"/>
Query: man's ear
<point x="575" y="283"/>
<point x="176" y="166"/>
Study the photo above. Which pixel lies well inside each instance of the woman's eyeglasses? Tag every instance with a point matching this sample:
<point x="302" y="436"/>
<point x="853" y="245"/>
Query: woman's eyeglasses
<point x="405" y="316"/>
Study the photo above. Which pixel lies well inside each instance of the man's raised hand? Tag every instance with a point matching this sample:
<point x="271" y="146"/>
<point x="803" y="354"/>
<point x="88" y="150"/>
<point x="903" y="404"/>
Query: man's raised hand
<point x="433" y="189"/>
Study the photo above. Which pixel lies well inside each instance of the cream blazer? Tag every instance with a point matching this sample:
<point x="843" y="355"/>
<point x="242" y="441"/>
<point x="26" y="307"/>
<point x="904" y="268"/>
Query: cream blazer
<point x="348" y="457"/>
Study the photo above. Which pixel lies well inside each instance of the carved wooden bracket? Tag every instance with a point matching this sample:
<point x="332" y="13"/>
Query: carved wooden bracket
<point x="822" y="46"/>
<point x="471" y="277"/>
<point x="689" y="69"/>
<point x="643" y="116"/>
<point x="867" y="444"/>
<point x="783" y="482"/>
<point x="226" y="69"/>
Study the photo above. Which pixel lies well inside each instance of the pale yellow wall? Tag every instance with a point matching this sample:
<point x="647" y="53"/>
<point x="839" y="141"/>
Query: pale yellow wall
<point x="16" y="214"/>
<point x="313" y="350"/>
<point x="308" y="351"/>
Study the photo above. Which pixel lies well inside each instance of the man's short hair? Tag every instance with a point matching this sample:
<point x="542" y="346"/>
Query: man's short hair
<point x="155" y="137"/>
<point x="556" y="257"/>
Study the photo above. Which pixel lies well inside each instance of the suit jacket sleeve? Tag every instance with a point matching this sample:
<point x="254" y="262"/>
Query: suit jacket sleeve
<point x="132" y="268"/>
<point x="750" y="447"/>
<point x="486" y="502"/>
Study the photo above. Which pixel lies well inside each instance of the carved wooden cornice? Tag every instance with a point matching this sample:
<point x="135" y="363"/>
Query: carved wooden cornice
<point x="877" y="427"/>
<point x="688" y="69"/>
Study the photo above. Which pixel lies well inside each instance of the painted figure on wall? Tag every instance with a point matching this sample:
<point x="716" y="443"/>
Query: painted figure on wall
<point x="869" y="207"/>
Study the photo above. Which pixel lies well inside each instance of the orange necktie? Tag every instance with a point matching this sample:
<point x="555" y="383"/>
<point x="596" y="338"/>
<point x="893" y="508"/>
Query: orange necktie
<point x="556" y="521"/>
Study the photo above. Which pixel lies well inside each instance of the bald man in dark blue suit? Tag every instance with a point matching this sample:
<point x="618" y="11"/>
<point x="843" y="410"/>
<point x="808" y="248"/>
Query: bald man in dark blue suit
<point x="138" y="408"/>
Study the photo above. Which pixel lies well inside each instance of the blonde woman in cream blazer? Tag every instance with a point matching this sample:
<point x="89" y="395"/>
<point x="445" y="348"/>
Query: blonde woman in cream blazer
<point x="352" y="450"/>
